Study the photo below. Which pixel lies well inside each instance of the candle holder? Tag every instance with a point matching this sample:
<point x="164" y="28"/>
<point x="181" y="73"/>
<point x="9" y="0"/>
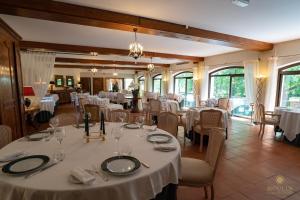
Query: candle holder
<point x="94" y="136"/>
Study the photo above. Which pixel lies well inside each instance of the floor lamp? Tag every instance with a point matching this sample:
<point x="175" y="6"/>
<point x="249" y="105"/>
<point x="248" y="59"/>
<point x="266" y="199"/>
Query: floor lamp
<point x="259" y="94"/>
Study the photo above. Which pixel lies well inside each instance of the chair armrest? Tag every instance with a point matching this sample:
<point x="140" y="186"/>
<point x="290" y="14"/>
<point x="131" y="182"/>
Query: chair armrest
<point x="272" y="114"/>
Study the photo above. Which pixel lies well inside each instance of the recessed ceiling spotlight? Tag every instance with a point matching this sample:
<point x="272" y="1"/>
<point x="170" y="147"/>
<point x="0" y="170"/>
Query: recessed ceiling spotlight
<point x="241" y="3"/>
<point x="94" y="53"/>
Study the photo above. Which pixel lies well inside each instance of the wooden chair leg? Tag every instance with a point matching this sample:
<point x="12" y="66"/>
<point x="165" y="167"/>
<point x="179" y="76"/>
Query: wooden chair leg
<point x="260" y="128"/>
<point x="205" y="192"/>
<point x="263" y="131"/>
<point x="212" y="192"/>
<point x="201" y="142"/>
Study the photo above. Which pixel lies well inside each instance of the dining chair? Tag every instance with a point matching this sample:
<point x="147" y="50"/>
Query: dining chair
<point x="269" y="118"/>
<point x="82" y="102"/>
<point x="114" y="115"/>
<point x="169" y="122"/>
<point x="224" y="103"/>
<point x="122" y="100"/>
<point x="94" y="110"/>
<point x="201" y="173"/>
<point x="5" y="135"/>
<point x="208" y="118"/>
<point x="154" y="108"/>
<point x="182" y="122"/>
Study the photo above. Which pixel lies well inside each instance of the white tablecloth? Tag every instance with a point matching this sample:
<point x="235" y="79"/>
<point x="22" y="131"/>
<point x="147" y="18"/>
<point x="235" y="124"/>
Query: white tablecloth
<point x="194" y="114"/>
<point x="53" y="184"/>
<point x="98" y="101"/>
<point x="109" y="108"/>
<point x="289" y="122"/>
<point x="168" y="106"/>
<point x="47" y="105"/>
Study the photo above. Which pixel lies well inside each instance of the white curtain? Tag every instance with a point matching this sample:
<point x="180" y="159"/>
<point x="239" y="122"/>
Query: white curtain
<point x="251" y="73"/>
<point x="37" y="69"/>
<point x="203" y="76"/>
<point x="271" y="84"/>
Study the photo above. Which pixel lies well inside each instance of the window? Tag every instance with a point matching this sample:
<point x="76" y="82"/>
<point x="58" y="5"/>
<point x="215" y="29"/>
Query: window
<point x="183" y="85"/>
<point x="141" y="81"/>
<point x="127" y="82"/>
<point x="70" y="81"/>
<point x="156" y="83"/>
<point x="230" y="83"/>
<point x="289" y="87"/>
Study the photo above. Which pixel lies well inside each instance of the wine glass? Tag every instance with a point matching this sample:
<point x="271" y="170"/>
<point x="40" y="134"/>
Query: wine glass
<point x="54" y="122"/>
<point x="140" y="121"/>
<point x="117" y="133"/>
<point x="59" y="134"/>
<point x="122" y="117"/>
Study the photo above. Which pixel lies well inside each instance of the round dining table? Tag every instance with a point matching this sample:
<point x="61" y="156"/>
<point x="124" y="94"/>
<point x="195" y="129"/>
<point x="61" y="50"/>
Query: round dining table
<point x="54" y="183"/>
<point x="289" y="121"/>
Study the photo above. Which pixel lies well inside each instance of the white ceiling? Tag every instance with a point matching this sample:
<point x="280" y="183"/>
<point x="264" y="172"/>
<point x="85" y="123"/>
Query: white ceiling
<point x="266" y="20"/>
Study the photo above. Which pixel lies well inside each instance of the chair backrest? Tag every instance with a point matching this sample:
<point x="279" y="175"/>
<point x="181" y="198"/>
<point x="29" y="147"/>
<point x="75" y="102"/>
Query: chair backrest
<point x="5" y="135"/>
<point x="210" y="118"/>
<point x="155" y="105"/>
<point x="223" y="103"/>
<point x="82" y="102"/>
<point x="215" y="147"/>
<point x="120" y="97"/>
<point x="169" y="122"/>
<point x="114" y="115"/>
<point x="94" y="110"/>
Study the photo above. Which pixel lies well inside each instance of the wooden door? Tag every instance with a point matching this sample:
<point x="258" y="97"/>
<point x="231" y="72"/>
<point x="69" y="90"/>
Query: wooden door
<point x="11" y="87"/>
<point x="97" y="85"/>
<point x="85" y="84"/>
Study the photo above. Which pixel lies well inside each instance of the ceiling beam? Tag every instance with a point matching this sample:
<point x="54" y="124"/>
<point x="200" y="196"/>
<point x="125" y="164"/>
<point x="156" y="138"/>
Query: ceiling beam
<point x="100" y="50"/>
<point x="105" y="62"/>
<point x="100" y="67"/>
<point x="75" y="14"/>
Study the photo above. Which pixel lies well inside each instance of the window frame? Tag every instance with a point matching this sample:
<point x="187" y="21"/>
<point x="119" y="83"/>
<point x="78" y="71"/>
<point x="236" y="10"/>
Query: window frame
<point x="230" y="79"/>
<point x="154" y="78"/>
<point x="281" y="73"/>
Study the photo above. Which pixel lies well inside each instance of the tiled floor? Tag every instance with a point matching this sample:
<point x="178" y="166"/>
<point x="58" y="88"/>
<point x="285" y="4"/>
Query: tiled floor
<point x="250" y="168"/>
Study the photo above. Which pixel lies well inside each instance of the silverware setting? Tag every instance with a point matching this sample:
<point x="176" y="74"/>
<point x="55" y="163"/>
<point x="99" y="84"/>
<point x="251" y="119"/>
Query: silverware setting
<point x="96" y="170"/>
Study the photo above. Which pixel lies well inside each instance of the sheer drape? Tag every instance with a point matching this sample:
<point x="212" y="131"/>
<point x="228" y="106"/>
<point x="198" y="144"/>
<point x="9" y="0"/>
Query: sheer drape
<point x="203" y="75"/>
<point x="251" y="72"/>
<point x="37" y="69"/>
<point x="271" y="84"/>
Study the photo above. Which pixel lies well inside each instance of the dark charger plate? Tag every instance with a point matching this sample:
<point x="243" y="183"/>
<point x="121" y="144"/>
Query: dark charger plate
<point x="26" y="165"/>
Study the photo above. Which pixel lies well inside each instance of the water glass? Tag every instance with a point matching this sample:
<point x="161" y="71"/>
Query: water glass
<point x="54" y="122"/>
<point x="59" y="134"/>
<point x="117" y="133"/>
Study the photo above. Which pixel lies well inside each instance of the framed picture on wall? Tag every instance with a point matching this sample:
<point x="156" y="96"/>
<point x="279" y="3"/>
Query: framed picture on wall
<point x="59" y="80"/>
<point x="70" y="81"/>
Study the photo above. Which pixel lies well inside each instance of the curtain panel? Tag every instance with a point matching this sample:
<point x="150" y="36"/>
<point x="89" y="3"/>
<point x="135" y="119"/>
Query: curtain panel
<point x="37" y="69"/>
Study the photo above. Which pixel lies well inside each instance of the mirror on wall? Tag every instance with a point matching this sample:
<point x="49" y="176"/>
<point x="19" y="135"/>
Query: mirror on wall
<point x="59" y="80"/>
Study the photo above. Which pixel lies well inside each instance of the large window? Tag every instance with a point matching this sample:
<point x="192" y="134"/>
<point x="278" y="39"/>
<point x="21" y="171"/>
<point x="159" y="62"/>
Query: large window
<point x="127" y="82"/>
<point x="156" y="83"/>
<point x="141" y="81"/>
<point x="230" y="83"/>
<point x="183" y="85"/>
<point x="289" y="86"/>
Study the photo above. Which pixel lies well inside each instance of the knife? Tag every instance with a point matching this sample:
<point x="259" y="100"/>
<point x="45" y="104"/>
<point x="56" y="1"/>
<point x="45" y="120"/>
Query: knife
<point x="41" y="170"/>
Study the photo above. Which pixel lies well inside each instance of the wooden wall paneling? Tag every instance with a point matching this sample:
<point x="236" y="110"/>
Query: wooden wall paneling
<point x="11" y="86"/>
<point x="85" y="84"/>
<point x="97" y="85"/>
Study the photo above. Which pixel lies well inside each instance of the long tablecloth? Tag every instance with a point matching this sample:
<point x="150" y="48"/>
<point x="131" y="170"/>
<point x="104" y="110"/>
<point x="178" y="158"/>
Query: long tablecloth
<point x="194" y="114"/>
<point x="289" y="122"/>
<point x="53" y="183"/>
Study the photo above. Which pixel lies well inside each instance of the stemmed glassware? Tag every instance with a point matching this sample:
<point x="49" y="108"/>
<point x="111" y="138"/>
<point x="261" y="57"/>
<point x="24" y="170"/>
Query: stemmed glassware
<point x="122" y="117"/>
<point x="59" y="134"/>
<point x="54" y="122"/>
<point x="140" y="121"/>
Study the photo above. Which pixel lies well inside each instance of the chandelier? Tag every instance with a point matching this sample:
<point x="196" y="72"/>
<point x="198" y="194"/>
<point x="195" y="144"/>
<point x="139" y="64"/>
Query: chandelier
<point x="94" y="70"/>
<point x="150" y="66"/>
<point x="135" y="48"/>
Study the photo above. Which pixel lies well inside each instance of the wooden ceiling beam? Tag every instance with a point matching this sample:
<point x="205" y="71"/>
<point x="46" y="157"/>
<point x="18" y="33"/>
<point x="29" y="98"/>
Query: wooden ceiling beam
<point x="100" y="50"/>
<point x="105" y="62"/>
<point x="75" y="14"/>
<point x="100" y="67"/>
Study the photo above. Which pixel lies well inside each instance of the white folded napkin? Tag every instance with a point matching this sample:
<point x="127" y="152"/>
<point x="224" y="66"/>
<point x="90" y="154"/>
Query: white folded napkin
<point x="12" y="156"/>
<point x="83" y="176"/>
<point x="165" y="147"/>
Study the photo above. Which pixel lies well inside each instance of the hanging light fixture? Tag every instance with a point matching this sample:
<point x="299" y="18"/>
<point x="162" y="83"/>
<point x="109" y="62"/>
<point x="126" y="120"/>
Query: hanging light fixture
<point x="94" y="70"/>
<point x="150" y="66"/>
<point x="135" y="48"/>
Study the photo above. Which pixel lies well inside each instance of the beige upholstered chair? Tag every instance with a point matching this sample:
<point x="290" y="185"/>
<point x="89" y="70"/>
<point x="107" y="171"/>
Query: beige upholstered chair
<point x="201" y="173"/>
<point x="208" y="118"/>
<point x="169" y="122"/>
<point x="114" y="115"/>
<point x="94" y="110"/>
<point x="82" y="102"/>
<point x="65" y="119"/>
<point x="267" y="117"/>
<point x="154" y="107"/>
<point x="224" y="103"/>
<point x="5" y="135"/>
